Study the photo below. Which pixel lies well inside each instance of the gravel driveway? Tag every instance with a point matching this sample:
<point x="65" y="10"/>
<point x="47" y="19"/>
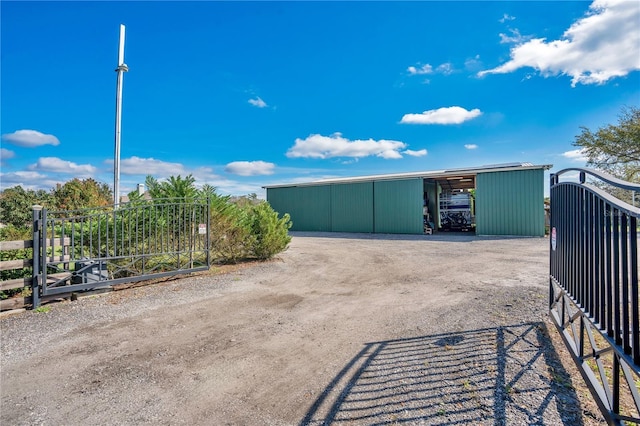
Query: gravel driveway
<point x="340" y="329"/>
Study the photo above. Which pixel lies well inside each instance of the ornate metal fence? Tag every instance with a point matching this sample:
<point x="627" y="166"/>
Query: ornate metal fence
<point x="90" y="249"/>
<point x="594" y="298"/>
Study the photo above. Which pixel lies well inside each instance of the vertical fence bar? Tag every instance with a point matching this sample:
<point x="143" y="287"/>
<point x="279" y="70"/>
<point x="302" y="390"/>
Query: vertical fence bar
<point x="561" y="230"/>
<point x="615" y="382"/>
<point x="99" y="236"/>
<point x="635" y="309"/>
<point x="616" y="276"/>
<point x="577" y="238"/>
<point x="608" y="270"/>
<point x="208" y="234"/>
<point x="73" y="240"/>
<point x="552" y="236"/>
<point x="37" y="256"/>
<point x="63" y="224"/>
<point x="157" y="232"/>
<point x="43" y="252"/>
<point x="581" y="281"/>
<point x="600" y="307"/>
<point x="624" y="259"/>
<point x="144" y="240"/>
<point x="129" y="246"/>
<point x="106" y="235"/>
<point x="592" y="258"/>
<point x="570" y="243"/>
<point x="82" y="232"/>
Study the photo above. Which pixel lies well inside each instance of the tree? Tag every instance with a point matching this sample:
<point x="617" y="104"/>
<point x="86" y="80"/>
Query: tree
<point x="174" y="187"/>
<point x="207" y="191"/>
<point x="16" y="203"/>
<point x="614" y="148"/>
<point x="81" y="194"/>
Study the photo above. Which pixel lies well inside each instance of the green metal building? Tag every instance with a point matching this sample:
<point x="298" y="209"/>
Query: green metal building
<point x="506" y="199"/>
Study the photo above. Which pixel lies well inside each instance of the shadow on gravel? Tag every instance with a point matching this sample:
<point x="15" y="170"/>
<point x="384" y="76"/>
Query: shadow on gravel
<point x="491" y="376"/>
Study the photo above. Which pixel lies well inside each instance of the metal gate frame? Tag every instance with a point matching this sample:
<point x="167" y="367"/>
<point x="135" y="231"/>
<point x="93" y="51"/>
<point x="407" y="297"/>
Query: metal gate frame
<point x="593" y="286"/>
<point x="97" y="248"/>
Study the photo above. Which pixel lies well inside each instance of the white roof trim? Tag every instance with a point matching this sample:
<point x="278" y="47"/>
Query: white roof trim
<point x="430" y="174"/>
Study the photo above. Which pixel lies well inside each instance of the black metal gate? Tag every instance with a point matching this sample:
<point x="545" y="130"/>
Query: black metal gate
<point x="594" y="298"/>
<point x="96" y="248"/>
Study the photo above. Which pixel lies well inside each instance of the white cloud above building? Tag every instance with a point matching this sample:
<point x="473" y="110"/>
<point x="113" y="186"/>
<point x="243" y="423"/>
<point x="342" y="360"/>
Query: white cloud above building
<point x="593" y="50"/>
<point x="30" y="138"/>
<point x="445" y="115"/>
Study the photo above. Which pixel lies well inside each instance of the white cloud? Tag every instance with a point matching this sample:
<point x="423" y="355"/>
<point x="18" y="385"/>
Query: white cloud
<point x="258" y="102"/>
<point x="203" y="174"/>
<point x="150" y="166"/>
<point x="419" y="153"/>
<point x="141" y="167"/>
<point x="56" y="165"/>
<point x="250" y="168"/>
<point x="473" y="64"/>
<point x="420" y="70"/>
<point x="446" y="68"/>
<point x="6" y="154"/>
<point x="28" y="180"/>
<point x="23" y="175"/>
<point x="318" y="146"/>
<point x="30" y="138"/>
<point x="448" y="115"/>
<point x="576" y="155"/>
<point x="471" y="146"/>
<point x="514" y="37"/>
<point x="506" y="17"/>
<point x="600" y="46"/>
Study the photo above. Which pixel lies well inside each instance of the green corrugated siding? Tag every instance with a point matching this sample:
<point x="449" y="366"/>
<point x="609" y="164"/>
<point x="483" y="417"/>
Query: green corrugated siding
<point x="352" y="207"/>
<point x="278" y="198"/>
<point x="398" y="206"/>
<point x="510" y="203"/>
<point x="308" y="206"/>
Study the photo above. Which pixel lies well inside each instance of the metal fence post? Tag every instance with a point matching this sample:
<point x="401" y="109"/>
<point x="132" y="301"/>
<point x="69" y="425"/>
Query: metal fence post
<point x="553" y="204"/>
<point x="37" y="255"/>
<point x="208" y="236"/>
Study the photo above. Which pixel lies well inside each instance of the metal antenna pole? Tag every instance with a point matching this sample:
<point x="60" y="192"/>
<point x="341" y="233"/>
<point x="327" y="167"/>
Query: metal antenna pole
<point x="122" y="68"/>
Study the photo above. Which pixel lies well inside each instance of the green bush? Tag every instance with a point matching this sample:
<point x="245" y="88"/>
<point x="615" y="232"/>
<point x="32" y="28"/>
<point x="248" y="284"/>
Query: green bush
<point x="244" y="230"/>
<point x="271" y="234"/>
<point x="230" y="231"/>
<point x="15" y="233"/>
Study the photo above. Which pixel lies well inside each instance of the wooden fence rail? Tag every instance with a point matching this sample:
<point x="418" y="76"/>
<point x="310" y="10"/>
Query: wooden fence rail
<point x="26" y="282"/>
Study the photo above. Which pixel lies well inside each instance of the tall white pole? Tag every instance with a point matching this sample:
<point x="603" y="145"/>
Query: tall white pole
<point x="122" y="68"/>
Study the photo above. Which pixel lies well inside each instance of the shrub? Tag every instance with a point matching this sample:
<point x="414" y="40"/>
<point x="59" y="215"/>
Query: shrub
<point x="230" y="231"/>
<point x="14" y="233"/>
<point x="271" y="233"/>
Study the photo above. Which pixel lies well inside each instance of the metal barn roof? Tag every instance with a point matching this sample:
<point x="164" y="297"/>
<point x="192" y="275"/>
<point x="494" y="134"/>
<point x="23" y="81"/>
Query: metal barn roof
<point x="430" y="174"/>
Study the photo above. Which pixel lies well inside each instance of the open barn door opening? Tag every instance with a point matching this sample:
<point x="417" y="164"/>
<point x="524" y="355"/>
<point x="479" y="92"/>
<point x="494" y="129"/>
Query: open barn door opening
<point x="450" y="204"/>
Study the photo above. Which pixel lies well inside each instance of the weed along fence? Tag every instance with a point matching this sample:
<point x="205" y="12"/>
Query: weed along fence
<point x="594" y="298"/>
<point x="74" y="251"/>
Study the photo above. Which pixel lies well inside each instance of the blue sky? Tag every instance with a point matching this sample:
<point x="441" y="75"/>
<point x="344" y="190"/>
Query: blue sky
<point x="246" y="94"/>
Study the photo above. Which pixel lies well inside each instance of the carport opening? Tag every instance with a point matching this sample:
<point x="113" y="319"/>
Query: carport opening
<point x="449" y="204"/>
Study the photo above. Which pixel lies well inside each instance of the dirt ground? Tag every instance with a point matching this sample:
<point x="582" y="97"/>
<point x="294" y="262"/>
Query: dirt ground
<point x="339" y="329"/>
